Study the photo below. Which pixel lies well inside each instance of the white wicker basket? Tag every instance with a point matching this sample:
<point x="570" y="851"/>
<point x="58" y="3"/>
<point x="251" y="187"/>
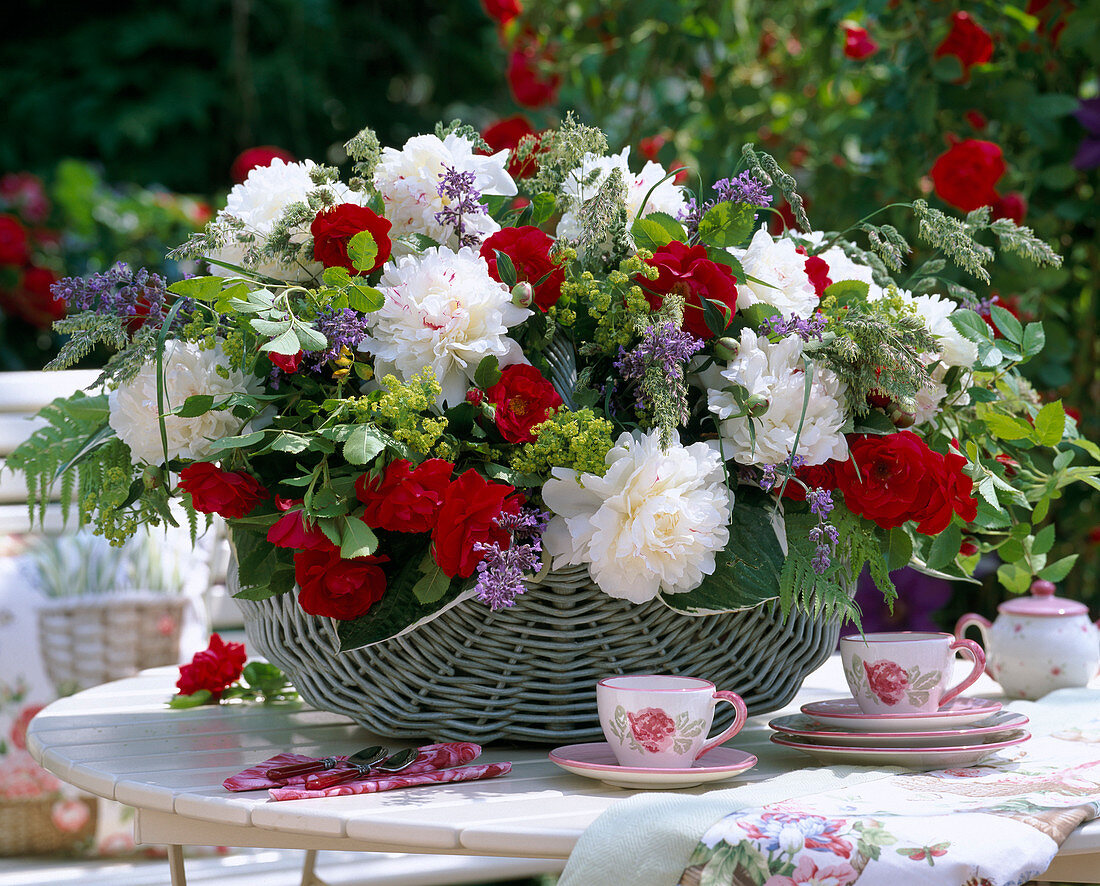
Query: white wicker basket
<point x="528" y="673"/>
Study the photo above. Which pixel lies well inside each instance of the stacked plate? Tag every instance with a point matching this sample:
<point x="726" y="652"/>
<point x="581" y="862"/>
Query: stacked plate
<point x="961" y="733"/>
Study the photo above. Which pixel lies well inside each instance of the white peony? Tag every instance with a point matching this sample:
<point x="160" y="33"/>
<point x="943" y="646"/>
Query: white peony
<point x="188" y="370"/>
<point x="774" y="372"/>
<point x="778" y="264"/>
<point x="442" y="310"/>
<point x="936" y="311"/>
<point x="654" y="521"/>
<point x="408" y="181"/>
<point x="259" y="202"/>
<point x="584" y="182"/>
<point x="929" y="401"/>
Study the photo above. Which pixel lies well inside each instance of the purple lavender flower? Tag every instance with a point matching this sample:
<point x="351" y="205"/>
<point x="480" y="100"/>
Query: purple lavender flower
<point x="742" y="189"/>
<point x="774" y="475"/>
<point x="459" y="189"/>
<point x="342" y="328"/>
<point x="824" y="535"/>
<point x="820" y="502"/>
<point x="118" y="291"/>
<point x="665" y="346"/>
<point x="803" y="328"/>
<point x="501" y="572"/>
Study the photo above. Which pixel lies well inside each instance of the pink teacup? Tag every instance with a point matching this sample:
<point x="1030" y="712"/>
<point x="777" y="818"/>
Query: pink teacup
<point x="906" y="672"/>
<point x="655" y="721"/>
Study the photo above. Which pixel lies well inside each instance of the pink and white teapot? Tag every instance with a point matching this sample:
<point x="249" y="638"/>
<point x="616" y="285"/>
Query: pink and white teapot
<point x="1038" y="643"/>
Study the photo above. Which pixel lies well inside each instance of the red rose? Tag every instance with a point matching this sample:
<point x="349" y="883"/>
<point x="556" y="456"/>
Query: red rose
<point x="289" y="363"/>
<point x="1012" y="205"/>
<point x="214" y="491"/>
<point x="888" y="681"/>
<point x="505" y="135"/>
<point x="529" y="250"/>
<point x="26" y="192"/>
<point x="652" y="728"/>
<point x="967" y="173"/>
<point x="338" y="588"/>
<point x="651" y="145"/>
<point x="405" y="500"/>
<point x="532" y="87"/>
<point x="688" y="271"/>
<point x="214" y="669"/>
<point x="502" y="11"/>
<point x="13" y="241"/>
<point x="900" y="480"/>
<point x="468" y="516"/>
<point x="976" y="119"/>
<point x="858" y="43"/>
<point x="821" y="476"/>
<point x="250" y="158"/>
<point x="333" y="228"/>
<point x="291" y="531"/>
<point x="817" y="269"/>
<point x="523" y="399"/>
<point x="968" y="41"/>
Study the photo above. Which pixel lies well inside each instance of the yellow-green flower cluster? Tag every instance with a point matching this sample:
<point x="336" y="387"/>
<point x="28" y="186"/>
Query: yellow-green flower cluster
<point x="401" y="409"/>
<point x="578" y="440"/>
<point x="616" y="303"/>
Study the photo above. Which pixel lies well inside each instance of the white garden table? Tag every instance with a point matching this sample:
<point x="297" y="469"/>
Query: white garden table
<point x="122" y="742"/>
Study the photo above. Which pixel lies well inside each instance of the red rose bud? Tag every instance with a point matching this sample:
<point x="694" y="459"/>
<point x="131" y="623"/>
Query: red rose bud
<point x="903" y="415"/>
<point x="858" y="44"/>
<point x="502" y="11"/>
<point x="338" y="588"/>
<point x="405" y="499"/>
<point x="965" y="176"/>
<point x="1010" y="464"/>
<point x="687" y="271"/>
<point x="976" y="119"/>
<point x="214" y="669"/>
<point x="334" y="228"/>
<point x="475" y="396"/>
<point x="251" y="158"/>
<point x="468" y="517"/>
<point x="214" y="491"/>
<point x="1012" y="205"/>
<point x="288" y="363"/>
<point x="523" y="399"/>
<point x="968" y="548"/>
<point x="651" y="145"/>
<point x="968" y="41"/>
<point x="529" y="249"/>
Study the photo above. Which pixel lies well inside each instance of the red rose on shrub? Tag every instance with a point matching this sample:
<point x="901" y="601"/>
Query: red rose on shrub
<point x="250" y="158"/>
<point x="289" y="363"/>
<point x="18" y="732"/>
<point x="291" y="531"/>
<point x="405" y="499"/>
<point x="1011" y="205"/>
<point x="214" y="669"/>
<point x="337" y="588"/>
<point x="652" y="728"/>
<point x="41" y="308"/>
<point x="531" y="87"/>
<point x="529" y="250"/>
<point x="26" y="191"/>
<point x="13" y="241"/>
<point x="502" y="11"/>
<point x="967" y="173"/>
<point x="506" y="134"/>
<point x="333" y="228"/>
<point x="523" y="399"/>
<point x="901" y="479"/>
<point x="470" y="509"/>
<point x="976" y="119"/>
<point x="214" y="491"/>
<point x="688" y="271"/>
<point x="858" y="43"/>
<point x="888" y="681"/>
<point x="968" y="41"/>
<point x="651" y="145"/>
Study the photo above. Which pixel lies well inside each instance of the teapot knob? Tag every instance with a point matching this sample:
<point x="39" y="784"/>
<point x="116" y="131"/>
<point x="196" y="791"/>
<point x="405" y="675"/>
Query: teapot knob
<point x="1042" y="588"/>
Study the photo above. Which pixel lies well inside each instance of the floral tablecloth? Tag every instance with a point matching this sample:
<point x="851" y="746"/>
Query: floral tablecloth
<point x="998" y="824"/>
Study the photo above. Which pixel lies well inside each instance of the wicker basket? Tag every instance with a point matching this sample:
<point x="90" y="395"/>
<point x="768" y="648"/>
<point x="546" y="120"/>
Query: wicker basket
<point x="528" y="673"/>
<point x="27" y="825"/>
<point x="86" y="641"/>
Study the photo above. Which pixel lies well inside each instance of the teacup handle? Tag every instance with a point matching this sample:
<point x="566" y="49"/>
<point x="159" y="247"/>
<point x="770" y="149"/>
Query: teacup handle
<point x="738" y="721"/>
<point x="978" y="657"/>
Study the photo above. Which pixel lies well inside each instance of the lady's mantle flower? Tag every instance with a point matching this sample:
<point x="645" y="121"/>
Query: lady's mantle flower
<point x="778" y="264"/>
<point x="409" y="182"/>
<point x="653" y="522"/>
<point x="774" y="372"/>
<point x="442" y="310"/>
<point x="584" y="182"/>
<point x="188" y="370"/>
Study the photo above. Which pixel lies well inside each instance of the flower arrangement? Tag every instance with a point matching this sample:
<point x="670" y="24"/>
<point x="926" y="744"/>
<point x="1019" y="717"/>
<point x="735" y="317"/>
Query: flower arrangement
<point x="459" y="367"/>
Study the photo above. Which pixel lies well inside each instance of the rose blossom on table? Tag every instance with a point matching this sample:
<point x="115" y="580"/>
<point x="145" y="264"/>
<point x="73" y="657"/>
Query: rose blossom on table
<point x="214" y="669"/>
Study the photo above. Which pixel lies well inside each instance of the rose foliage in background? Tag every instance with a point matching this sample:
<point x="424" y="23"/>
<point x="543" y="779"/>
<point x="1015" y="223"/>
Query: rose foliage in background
<point x="611" y="371"/>
<point x="219" y="673"/>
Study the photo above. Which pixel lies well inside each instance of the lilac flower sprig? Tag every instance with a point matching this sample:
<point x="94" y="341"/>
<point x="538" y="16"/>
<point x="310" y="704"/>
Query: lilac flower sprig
<point x="657" y="364"/>
<point x="806" y="329"/>
<point x="775" y="475"/>
<point x="342" y="328"/>
<point x="824" y="535"/>
<point x="459" y="189"/>
<point x="743" y="188"/>
<point x="117" y="292"/>
<point x="501" y="572"/>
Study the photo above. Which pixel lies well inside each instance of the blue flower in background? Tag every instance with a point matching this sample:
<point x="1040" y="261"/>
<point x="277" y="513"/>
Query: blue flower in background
<point x="1088" y="115"/>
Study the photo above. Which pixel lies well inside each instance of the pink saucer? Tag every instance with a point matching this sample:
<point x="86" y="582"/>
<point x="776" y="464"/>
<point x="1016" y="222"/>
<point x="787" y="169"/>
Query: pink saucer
<point x="914" y="758"/>
<point x="596" y="760"/>
<point x="847" y="713"/>
<point x="800" y="726"/>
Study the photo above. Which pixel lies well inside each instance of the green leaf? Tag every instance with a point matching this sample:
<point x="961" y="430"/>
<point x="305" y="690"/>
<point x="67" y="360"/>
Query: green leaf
<point x="357" y="539"/>
<point x="363" y="251"/>
<point x="945" y="548"/>
<point x="847" y="292"/>
<point x="656" y="230"/>
<point x="947" y="69"/>
<point x="271" y="328"/>
<point x="336" y="277"/>
<point x="263" y="570"/>
<point x="287" y="344"/>
<point x="1034" y="339"/>
<point x="325" y="503"/>
<point x="363" y="445"/>
<point x="195" y="405"/>
<point x="292" y="443"/>
<point x="898" y="548"/>
<point x="487" y="373"/>
<point x="727" y="224"/>
<point x="1008" y="427"/>
<point x="182" y="702"/>
<point x="1010" y="327"/>
<point x="1015" y="577"/>
<point x="543" y="205"/>
<point x="309" y="339"/>
<point x="199" y="288"/>
<point x="970" y="325"/>
<point x="716" y="315"/>
<point x="365" y="299"/>
<point x="242" y="441"/>
<point x="1059" y="569"/>
<point x="1044" y="540"/>
<point x="1050" y="423"/>
<point x="434" y="582"/>
<point x="506" y="269"/>
<point x="747" y="571"/>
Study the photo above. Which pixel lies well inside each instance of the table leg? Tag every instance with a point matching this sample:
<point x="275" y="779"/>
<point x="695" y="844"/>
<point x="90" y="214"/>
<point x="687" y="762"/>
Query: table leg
<point x="175" y="866"/>
<point x="309" y="870"/>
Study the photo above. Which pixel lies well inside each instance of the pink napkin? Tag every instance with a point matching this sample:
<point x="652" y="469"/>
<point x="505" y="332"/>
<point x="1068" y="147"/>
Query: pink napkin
<point x="375" y="784"/>
<point x="431" y="757"/>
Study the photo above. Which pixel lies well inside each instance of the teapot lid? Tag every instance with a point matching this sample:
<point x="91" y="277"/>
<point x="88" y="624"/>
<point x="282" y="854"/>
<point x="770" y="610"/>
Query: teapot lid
<point x="1042" y="602"/>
